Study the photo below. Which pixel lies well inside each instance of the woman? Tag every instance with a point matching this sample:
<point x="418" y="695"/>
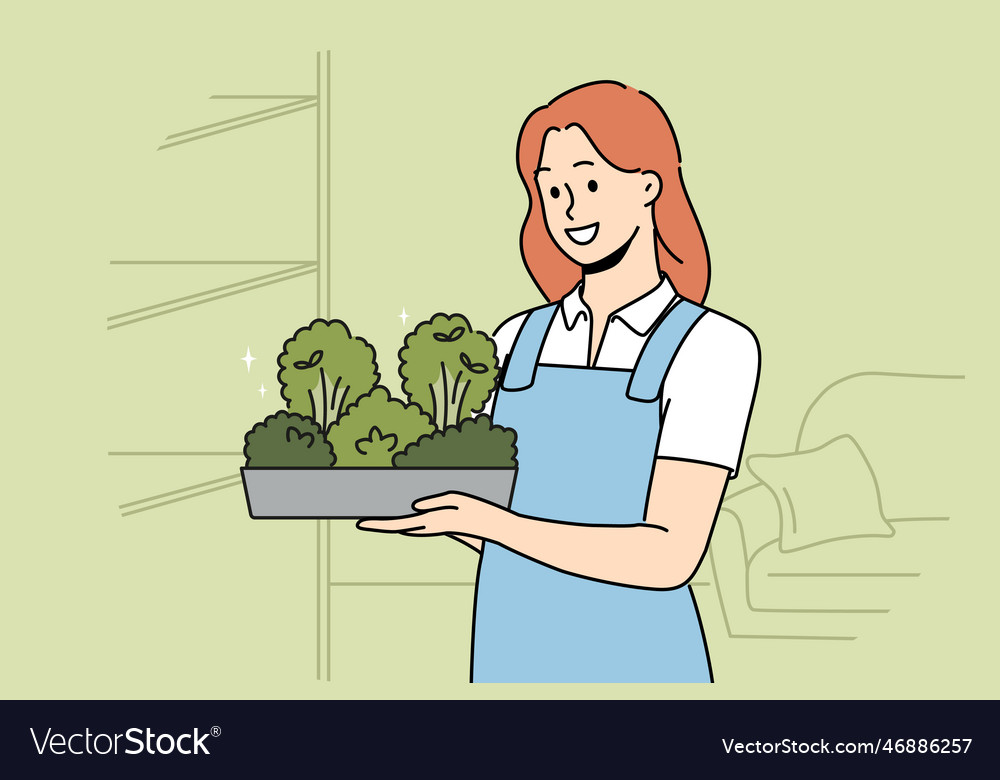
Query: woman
<point x="630" y="401"/>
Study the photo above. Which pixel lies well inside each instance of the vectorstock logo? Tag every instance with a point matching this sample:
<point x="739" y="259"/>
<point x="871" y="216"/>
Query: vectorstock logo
<point x="133" y="742"/>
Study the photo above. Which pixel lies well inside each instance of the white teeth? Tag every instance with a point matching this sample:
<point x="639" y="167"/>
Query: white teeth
<point x="582" y="235"/>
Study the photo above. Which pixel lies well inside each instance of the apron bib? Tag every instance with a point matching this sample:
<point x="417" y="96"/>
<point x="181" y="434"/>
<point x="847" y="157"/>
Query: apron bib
<point x="587" y="441"/>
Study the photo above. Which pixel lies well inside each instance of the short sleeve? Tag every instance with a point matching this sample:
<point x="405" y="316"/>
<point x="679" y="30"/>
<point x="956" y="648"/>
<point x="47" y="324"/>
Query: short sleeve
<point x="708" y="393"/>
<point x="504" y="337"/>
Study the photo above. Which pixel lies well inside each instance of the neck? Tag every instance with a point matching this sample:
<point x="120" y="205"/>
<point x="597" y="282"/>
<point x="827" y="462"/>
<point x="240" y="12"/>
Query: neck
<point x="636" y="274"/>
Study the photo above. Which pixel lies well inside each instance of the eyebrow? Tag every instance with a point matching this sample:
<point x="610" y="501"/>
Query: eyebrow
<point x="575" y="165"/>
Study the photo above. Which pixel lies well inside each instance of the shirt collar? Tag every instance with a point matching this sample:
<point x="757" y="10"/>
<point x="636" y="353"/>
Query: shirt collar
<point x="573" y="308"/>
<point x="640" y="315"/>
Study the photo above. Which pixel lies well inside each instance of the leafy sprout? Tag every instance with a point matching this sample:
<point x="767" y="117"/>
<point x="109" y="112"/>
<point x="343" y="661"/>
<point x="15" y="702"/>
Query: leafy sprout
<point x="375" y="428"/>
<point x="448" y="368"/>
<point x="472" y="444"/>
<point x="287" y="439"/>
<point x="323" y="369"/>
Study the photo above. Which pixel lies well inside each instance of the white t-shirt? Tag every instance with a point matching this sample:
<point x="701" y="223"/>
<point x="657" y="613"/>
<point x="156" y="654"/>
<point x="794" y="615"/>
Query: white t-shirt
<point x="708" y="392"/>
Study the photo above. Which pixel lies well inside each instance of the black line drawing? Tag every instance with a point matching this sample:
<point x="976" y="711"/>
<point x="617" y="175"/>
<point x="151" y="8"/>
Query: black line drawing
<point x="347" y="449"/>
<point x="762" y="537"/>
<point x="586" y="576"/>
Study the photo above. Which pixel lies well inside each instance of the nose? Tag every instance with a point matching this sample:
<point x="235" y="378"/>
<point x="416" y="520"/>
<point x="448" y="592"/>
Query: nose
<point x="572" y="200"/>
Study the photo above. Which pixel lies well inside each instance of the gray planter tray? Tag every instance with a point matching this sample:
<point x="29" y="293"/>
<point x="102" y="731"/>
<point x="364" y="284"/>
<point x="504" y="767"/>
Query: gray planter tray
<point x="364" y="492"/>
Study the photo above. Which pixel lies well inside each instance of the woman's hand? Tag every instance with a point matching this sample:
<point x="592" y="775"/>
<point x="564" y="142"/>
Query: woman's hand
<point x="661" y="553"/>
<point x="448" y="513"/>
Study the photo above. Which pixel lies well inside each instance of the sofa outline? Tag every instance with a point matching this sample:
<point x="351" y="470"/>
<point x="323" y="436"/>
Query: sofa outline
<point x="740" y="542"/>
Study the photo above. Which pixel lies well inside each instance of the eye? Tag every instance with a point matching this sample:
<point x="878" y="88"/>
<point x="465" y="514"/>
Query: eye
<point x="592" y="185"/>
<point x="554" y="192"/>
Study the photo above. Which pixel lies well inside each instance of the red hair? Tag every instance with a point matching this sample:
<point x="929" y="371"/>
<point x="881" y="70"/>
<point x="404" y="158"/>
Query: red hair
<point x="631" y="132"/>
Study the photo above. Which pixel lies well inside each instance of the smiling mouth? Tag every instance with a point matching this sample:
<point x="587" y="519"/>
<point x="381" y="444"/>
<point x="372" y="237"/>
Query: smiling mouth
<point x="583" y="235"/>
<point x="613" y="259"/>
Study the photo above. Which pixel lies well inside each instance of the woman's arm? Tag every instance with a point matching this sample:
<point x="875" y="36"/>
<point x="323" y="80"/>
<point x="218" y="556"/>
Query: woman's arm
<point x="663" y="552"/>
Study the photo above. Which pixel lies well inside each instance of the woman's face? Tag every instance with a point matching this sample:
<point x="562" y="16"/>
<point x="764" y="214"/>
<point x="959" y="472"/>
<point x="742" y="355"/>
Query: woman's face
<point x="593" y="211"/>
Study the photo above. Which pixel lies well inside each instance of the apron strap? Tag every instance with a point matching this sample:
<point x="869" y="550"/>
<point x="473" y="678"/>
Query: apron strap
<point x="658" y="354"/>
<point x="519" y="370"/>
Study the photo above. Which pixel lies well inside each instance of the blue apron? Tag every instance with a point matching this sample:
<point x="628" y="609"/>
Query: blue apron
<point x="586" y="445"/>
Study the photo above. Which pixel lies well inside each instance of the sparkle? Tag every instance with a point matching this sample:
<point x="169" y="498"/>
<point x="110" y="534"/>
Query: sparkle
<point x="248" y="359"/>
<point x="262" y="390"/>
<point x="404" y="316"/>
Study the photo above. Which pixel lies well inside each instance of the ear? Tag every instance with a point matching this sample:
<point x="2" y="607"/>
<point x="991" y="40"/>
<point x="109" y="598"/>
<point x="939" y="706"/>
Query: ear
<point x="652" y="186"/>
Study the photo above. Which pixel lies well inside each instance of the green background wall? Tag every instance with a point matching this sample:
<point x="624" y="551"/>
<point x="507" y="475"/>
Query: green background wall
<point x="841" y="158"/>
